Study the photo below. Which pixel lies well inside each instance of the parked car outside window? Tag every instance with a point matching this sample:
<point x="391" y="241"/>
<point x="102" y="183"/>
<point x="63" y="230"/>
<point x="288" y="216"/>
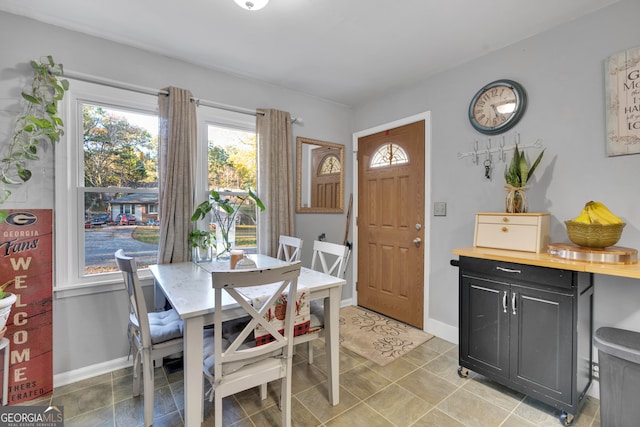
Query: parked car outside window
<point x="125" y="219"/>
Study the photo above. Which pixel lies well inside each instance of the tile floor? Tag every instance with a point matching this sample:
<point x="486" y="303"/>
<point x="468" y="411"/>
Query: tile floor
<point x="421" y="388"/>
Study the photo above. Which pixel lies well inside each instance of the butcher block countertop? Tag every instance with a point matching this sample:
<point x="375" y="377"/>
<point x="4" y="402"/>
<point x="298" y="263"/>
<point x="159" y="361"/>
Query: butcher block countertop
<point x="543" y="259"/>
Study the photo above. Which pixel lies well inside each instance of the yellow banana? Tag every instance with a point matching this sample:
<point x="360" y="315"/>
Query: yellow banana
<point x="583" y="217"/>
<point x="600" y="214"/>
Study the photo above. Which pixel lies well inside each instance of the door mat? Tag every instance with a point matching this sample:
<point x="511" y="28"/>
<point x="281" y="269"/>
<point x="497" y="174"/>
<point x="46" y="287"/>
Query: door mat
<point x="376" y="337"/>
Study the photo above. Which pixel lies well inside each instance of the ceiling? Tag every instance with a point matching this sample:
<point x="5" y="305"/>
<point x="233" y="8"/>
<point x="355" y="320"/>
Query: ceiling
<point x="346" y="51"/>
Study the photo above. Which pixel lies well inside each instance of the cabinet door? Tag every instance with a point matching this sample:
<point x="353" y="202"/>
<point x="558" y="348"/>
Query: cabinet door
<point x="542" y="341"/>
<point x="484" y="326"/>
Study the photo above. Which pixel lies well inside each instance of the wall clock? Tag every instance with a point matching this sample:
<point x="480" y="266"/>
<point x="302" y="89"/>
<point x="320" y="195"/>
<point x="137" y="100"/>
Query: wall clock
<point x="497" y="107"/>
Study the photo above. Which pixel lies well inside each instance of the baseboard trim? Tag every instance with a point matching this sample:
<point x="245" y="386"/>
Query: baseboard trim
<point x="442" y="330"/>
<point x="86" y="372"/>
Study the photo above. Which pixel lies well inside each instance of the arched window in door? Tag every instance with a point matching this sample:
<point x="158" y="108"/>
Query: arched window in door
<point x="388" y="155"/>
<point x="330" y="164"/>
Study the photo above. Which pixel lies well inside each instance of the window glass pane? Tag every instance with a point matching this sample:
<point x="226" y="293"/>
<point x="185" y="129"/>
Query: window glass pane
<point x="232" y="158"/>
<point x="108" y="228"/>
<point x="120" y="151"/>
<point x="387" y="155"/>
<point x="232" y="169"/>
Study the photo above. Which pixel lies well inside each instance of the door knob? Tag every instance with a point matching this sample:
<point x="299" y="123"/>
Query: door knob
<point x="417" y="241"/>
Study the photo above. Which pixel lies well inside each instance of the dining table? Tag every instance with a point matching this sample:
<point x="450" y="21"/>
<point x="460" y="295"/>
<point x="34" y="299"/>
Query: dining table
<point x="187" y="287"/>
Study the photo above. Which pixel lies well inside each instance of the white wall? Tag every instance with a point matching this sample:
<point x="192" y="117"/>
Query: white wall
<point x="562" y="71"/>
<point x="91" y="330"/>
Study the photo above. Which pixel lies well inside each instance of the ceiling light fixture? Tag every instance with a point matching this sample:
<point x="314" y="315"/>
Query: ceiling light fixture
<point x="252" y="4"/>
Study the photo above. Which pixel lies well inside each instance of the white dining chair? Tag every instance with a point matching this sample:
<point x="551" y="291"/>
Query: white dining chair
<point x="289" y="248"/>
<point x="235" y="363"/>
<point x="153" y="335"/>
<point x="329" y="258"/>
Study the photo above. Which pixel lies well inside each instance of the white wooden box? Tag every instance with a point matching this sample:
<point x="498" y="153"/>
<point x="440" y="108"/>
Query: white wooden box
<point x="527" y="232"/>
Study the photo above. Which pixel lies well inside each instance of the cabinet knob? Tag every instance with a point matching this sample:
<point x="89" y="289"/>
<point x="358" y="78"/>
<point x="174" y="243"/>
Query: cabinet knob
<point x="505" y="229"/>
<point x="505" y="219"/>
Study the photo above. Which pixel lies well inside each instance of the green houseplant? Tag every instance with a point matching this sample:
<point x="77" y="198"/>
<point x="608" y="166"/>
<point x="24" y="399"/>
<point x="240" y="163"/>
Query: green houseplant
<point x="39" y="121"/>
<point x="516" y="176"/>
<point x="201" y="241"/>
<point x="224" y="211"/>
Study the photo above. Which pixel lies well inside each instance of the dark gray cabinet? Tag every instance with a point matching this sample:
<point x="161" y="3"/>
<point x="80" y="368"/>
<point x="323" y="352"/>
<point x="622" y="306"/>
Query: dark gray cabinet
<point x="528" y="328"/>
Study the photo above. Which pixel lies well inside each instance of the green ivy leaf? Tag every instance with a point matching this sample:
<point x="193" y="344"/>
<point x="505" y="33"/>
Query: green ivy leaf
<point x="24" y="174"/>
<point x="30" y="98"/>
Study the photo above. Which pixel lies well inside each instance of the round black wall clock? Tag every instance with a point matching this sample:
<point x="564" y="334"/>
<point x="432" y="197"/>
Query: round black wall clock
<point x="497" y="107"/>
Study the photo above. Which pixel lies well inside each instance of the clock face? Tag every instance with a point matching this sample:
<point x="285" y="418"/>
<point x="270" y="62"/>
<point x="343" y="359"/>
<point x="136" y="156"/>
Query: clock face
<point x="497" y="107"/>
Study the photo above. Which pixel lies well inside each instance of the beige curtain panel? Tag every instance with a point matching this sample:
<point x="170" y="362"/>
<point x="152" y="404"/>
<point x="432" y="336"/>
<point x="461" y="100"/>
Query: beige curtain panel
<point x="177" y="144"/>
<point x="275" y="178"/>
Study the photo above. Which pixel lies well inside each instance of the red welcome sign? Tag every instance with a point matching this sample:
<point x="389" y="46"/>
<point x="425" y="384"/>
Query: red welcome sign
<point x="26" y="269"/>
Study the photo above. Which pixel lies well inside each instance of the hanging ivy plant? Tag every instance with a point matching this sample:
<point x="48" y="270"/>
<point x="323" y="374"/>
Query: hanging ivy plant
<point x="38" y="122"/>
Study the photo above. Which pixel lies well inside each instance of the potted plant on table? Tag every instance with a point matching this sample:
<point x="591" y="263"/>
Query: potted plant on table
<point x="202" y="242"/>
<point x="225" y="211"/>
<point x="517" y="175"/>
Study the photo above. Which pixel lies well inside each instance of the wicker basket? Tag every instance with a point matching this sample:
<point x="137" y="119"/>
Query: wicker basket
<point x="594" y="235"/>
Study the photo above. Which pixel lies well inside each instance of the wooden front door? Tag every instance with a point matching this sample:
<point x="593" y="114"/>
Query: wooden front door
<point x="391" y="222"/>
<point x="325" y="180"/>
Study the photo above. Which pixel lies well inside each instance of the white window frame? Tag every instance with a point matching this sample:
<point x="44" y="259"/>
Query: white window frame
<point x="215" y="117"/>
<point x="69" y="197"/>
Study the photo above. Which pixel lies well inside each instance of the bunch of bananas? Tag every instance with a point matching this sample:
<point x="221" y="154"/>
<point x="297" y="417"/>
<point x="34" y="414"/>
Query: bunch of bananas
<point x="597" y="213"/>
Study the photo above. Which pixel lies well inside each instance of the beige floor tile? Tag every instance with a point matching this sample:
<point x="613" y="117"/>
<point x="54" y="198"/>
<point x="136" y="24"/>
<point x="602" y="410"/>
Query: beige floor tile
<point x="421" y="354"/>
<point x="495" y="393"/>
<point x="427" y="386"/>
<point x="439" y="345"/>
<point x="272" y="416"/>
<point x="399" y="405"/>
<point x="447" y="368"/>
<point x="538" y="413"/>
<point x="316" y="401"/>
<point x="472" y="410"/>
<point x="361" y="415"/>
<point x="363" y="382"/>
<point x="86" y="399"/>
<point x="392" y="371"/>
<point x="437" y="418"/>
<point x="516" y="421"/>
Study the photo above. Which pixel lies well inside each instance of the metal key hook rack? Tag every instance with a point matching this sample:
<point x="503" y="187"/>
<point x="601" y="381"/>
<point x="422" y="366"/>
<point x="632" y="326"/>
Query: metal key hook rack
<point x="486" y="154"/>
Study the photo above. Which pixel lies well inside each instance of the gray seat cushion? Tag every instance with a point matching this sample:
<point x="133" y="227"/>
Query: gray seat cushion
<point x="165" y="326"/>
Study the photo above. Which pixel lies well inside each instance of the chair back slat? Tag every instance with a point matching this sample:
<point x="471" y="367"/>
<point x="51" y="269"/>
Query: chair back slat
<point x="330" y="256"/>
<point x="289" y="248"/>
<point x="137" y="305"/>
<point x="278" y="281"/>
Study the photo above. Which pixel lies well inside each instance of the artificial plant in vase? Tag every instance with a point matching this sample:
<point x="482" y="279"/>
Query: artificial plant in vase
<point x="39" y="121"/>
<point x="202" y="242"/>
<point x="517" y="175"/>
<point x="224" y="210"/>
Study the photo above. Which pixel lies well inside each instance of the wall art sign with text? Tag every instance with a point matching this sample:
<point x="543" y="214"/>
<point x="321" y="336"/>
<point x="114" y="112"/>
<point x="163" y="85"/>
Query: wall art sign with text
<point x="622" y="84"/>
<point x="26" y="267"/>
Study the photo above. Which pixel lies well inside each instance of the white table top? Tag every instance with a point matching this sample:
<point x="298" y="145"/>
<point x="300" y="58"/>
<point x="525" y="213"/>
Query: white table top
<point x="187" y="285"/>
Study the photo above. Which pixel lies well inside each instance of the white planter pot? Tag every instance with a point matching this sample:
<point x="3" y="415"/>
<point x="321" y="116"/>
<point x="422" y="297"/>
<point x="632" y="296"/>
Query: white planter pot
<point x="5" y="310"/>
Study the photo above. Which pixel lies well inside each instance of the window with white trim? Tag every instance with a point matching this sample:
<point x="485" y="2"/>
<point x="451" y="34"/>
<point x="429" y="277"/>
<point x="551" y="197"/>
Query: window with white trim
<point x="106" y="181"/>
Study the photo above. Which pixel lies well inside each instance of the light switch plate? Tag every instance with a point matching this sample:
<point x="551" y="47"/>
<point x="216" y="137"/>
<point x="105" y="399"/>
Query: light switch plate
<point x="440" y="209"/>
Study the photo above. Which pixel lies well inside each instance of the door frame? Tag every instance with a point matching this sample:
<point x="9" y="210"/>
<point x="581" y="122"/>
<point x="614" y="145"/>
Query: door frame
<point x="426" y="116"/>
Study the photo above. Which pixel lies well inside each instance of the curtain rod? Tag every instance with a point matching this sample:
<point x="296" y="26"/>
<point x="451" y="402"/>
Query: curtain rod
<point x="149" y="91"/>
